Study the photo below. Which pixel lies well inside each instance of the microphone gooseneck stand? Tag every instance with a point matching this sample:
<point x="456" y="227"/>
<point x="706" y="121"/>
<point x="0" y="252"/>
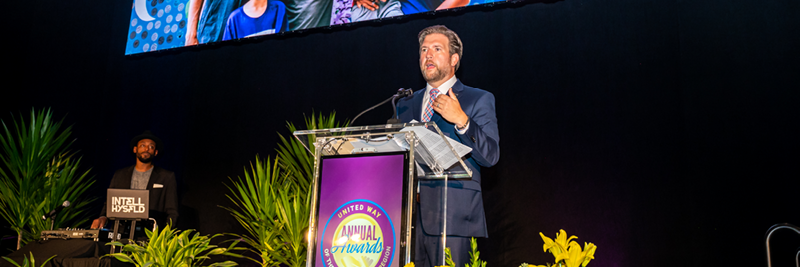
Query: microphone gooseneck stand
<point x="401" y="93"/>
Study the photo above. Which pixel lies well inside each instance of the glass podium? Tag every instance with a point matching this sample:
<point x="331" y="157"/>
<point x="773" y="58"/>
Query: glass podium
<point x="361" y="156"/>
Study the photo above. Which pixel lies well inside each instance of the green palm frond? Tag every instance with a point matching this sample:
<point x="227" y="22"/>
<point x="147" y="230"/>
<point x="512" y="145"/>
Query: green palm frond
<point x="293" y="213"/>
<point x="38" y="174"/>
<point x="294" y="200"/>
<point x="294" y="156"/>
<point x="254" y="200"/>
<point x="272" y="200"/>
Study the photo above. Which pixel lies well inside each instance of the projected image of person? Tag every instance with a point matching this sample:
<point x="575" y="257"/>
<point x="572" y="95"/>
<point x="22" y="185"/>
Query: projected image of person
<point x="418" y="6"/>
<point x="467" y="115"/>
<point x="375" y="9"/>
<point x="144" y="175"/>
<point x="256" y="17"/>
<point x="306" y="14"/>
<point x="206" y="20"/>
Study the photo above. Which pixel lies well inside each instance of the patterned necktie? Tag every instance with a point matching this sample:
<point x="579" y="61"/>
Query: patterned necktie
<point x="429" y="109"/>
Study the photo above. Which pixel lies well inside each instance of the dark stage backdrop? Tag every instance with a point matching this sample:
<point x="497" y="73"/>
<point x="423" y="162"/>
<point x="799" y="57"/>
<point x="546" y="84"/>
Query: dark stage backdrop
<point x="663" y="131"/>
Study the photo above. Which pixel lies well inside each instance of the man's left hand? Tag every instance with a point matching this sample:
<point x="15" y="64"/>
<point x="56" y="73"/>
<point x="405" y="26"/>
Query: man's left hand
<point x="99" y="223"/>
<point x="450" y="109"/>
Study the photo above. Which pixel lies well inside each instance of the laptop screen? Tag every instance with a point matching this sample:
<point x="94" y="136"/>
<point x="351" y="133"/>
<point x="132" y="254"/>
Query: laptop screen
<point x="128" y="204"/>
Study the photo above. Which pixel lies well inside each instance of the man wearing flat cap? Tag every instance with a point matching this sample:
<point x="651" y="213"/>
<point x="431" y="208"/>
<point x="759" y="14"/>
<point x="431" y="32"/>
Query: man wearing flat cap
<point x="144" y="175"/>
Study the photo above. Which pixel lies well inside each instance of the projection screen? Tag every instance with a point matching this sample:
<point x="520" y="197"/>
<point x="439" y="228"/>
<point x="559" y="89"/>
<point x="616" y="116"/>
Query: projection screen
<point x="166" y="24"/>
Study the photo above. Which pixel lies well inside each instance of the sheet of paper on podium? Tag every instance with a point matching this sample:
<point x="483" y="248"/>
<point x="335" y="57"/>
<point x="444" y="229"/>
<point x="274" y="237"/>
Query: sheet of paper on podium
<point x="437" y="147"/>
<point x="377" y="145"/>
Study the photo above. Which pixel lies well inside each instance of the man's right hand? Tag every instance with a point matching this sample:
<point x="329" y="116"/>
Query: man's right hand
<point x="372" y="5"/>
<point x="99" y="223"/>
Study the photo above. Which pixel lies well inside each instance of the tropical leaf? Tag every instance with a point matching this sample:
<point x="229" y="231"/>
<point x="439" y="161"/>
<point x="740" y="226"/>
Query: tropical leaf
<point x="254" y="200"/>
<point x="294" y="197"/>
<point x="170" y="247"/>
<point x="293" y="214"/>
<point x="29" y="262"/>
<point x="272" y="200"/>
<point x="293" y="154"/>
<point x="39" y="173"/>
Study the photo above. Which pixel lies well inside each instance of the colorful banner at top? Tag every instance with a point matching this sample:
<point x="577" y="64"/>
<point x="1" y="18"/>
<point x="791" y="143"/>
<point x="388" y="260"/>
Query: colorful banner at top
<point x="165" y="24"/>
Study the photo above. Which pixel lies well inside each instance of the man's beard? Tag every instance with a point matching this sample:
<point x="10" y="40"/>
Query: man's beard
<point x="143" y="159"/>
<point x="437" y="75"/>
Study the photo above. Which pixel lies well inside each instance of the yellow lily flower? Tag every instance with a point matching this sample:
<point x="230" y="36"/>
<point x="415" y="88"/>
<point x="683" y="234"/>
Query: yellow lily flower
<point x="548" y="243"/>
<point x="574" y="253"/>
<point x="561" y="239"/>
<point x="559" y="246"/>
<point x="589" y="250"/>
<point x="568" y="253"/>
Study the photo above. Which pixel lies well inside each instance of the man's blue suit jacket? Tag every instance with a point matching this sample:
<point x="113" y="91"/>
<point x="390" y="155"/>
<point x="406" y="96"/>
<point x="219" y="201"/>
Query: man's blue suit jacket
<point x="465" y="215"/>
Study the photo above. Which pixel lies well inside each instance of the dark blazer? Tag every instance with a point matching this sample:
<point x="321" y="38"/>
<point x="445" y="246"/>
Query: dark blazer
<point x="163" y="200"/>
<point x="465" y="215"/>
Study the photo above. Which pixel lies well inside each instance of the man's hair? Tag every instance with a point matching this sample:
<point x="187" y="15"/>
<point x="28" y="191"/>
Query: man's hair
<point x="456" y="47"/>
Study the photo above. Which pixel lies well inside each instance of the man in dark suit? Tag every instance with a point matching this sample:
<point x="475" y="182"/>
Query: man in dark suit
<point x="144" y="175"/>
<point x="467" y="115"/>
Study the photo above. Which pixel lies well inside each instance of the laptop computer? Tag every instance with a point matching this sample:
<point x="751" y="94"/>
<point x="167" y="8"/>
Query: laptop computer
<point x="127" y="204"/>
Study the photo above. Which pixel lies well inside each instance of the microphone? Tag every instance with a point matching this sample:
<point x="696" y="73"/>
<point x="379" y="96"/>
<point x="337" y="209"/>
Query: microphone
<point x="53" y="212"/>
<point x="401" y="93"/>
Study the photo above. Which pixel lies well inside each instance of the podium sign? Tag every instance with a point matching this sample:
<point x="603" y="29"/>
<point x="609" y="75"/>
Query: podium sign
<point x="128" y="203"/>
<point x="353" y="213"/>
<point x="360" y="212"/>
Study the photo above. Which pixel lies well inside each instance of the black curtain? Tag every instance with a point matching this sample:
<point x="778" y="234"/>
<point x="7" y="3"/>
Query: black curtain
<point x="665" y="132"/>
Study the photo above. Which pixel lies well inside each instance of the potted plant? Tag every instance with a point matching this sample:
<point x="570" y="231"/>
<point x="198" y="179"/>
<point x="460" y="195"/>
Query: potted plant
<point x="39" y="173"/>
<point x="272" y="200"/>
<point x="173" y="248"/>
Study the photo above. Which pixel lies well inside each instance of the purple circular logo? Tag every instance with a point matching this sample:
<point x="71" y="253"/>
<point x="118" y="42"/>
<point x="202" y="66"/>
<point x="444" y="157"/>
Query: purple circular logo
<point x="358" y="234"/>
